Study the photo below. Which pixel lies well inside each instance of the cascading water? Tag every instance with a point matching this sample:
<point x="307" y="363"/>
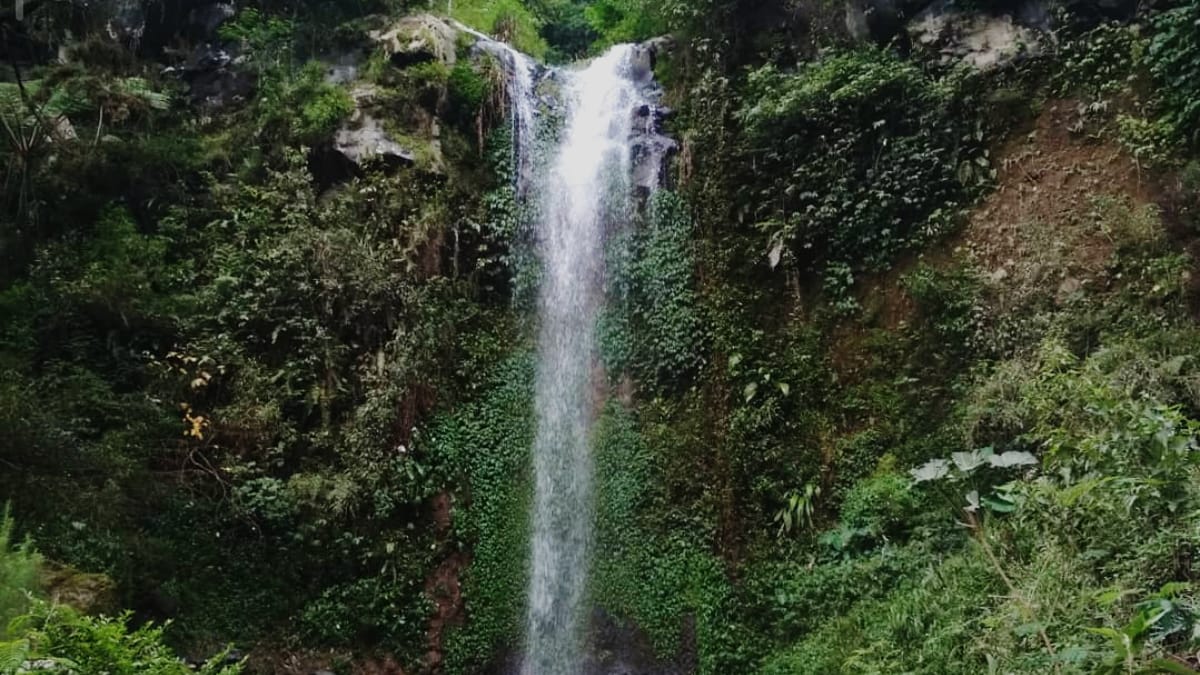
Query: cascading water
<point x="587" y="189"/>
<point x="519" y="87"/>
<point x="584" y="191"/>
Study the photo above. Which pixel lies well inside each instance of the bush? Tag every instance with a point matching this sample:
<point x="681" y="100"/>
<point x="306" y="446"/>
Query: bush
<point x="1174" y="59"/>
<point x="880" y="505"/>
<point x="108" y="645"/>
<point x="865" y="156"/>
<point x="301" y="107"/>
<point x="18" y="574"/>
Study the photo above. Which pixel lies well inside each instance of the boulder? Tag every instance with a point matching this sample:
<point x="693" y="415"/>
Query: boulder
<point x="360" y="142"/>
<point x="984" y="41"/>
<point x="363" y="140"/>
<point x="83" y="592"/>
<point x="646" y="55"/>
<point x="214" y="77"/>
<point x="149" y="26"/>
<point x="879" y="20"/>
<point x="423" y="38"/>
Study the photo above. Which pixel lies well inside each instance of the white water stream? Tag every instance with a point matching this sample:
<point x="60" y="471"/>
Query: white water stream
<point x="584" y="191"/>
<point x="587" y="190"/>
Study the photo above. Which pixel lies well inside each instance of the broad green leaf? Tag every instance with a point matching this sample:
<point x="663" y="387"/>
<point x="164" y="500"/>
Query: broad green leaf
<point x="968" y="461"/>
<point x="1012" y="458"/>
<point x="934" y="469"/>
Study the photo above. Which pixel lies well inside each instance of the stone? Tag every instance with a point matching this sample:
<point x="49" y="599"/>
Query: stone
<point x="214" y="77"/>
<point x="652" y="149"/>
<point x="423" y="38"/>
<point x="363" y="140"/>
<point x="83" y="592"/>
<point x="360" y="142"/>
<point x="879" y="20"/>
<point x="983" y="41"/>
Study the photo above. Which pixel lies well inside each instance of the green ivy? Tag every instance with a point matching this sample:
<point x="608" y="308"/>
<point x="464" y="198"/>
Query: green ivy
<point x="858" y="156"/>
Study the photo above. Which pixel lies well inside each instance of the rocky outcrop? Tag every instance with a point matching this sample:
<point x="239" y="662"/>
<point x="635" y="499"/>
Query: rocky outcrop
<point x="986" y="33"/>
<point x="652" y="147"/>
<point x="149" y="26"/>
<point x="984" y="41"/>
<point x="214" y="77"/>
<point x="83" y="592"/>
<point x="361" y="142"/>
<point x="418" y="39"/>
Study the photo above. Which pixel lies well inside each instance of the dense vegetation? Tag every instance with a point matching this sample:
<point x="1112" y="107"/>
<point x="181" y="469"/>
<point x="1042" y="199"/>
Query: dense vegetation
<point x="903" y="368"/>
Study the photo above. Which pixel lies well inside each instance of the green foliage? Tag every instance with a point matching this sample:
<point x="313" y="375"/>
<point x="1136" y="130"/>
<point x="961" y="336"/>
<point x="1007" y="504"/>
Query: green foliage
<point x="18" y="575"/>
<point x="797" y="511"/>
<point x="390" y="609"/>
<point x="508" y="20"/>
<point x="643" y="572"/>
<point x="108" y="645"/>
<point x="1100" y="63"/>
<point x="663" y="337"/>
<point x="866" y="156"/>
<point x="267" y="38"/>
<point x="624" y="20"/>
<point x="880" y="506"/>
<point x="302" y="107"/>
<point x="1174" y="60"/>
<point x="488" y="443"/>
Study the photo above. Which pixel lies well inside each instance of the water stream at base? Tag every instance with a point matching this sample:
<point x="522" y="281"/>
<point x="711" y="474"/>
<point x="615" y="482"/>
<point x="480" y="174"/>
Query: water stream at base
<point x="585" y="190"/>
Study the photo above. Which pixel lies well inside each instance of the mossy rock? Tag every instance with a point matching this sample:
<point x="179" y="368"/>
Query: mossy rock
<point x="87" y="593"/>
<point x="414" y="40"/>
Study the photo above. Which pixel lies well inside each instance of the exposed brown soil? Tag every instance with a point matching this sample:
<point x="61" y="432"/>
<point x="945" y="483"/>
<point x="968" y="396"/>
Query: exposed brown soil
<point x="1041" y="230"/>
<point x="1035" y="233"/>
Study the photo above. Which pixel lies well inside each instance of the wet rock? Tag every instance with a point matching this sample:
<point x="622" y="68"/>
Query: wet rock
<point x="149" y="26"/>
<point x="364" y="140"/>
<point x="646" y="55"/>
<point x="205" y="20"/>
<point x="652" y="149"/>
<point x="984" y="41"/>
<point x="418" y="39"/>
<point x="126" y="23"/>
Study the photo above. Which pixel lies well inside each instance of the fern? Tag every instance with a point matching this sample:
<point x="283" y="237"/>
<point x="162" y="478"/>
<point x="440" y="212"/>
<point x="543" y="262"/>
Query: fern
<point x="13" y="656"/>
<point x="18" y="573"/>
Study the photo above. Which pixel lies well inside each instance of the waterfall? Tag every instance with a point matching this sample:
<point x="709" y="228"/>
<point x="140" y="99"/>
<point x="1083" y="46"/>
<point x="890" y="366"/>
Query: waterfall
<point x="585" y="189"/>
<point x="519" y="72"/>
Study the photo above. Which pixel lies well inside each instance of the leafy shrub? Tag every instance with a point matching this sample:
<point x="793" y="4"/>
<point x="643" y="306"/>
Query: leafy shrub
<point x="667" y="332"/>
<point x="108" y="645"/>
<point x="487" y="442"/>
<point x="1099" y="63"/>
<point x="301" y="107"/>
<point x="18" y="574"/>
<point x="862" y="154"/>
<point x="507" y="20"/>
<point x="1174" y="59"/>
<point x="624" y="20"/>
<point x="390" y="609"/>
<point x="880" y="505"/>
